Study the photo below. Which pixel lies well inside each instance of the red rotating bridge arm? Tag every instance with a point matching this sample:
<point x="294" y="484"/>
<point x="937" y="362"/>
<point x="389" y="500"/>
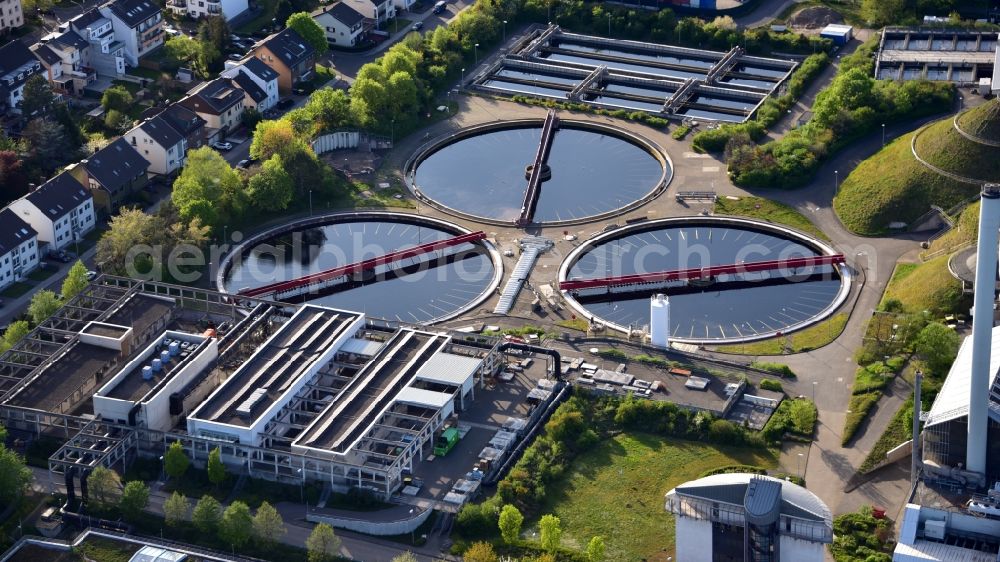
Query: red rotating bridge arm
<point x="364" y="265"/>
<point x="700" y="272"/>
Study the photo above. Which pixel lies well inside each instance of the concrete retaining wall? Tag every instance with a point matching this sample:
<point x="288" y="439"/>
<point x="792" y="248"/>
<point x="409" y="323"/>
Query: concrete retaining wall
<point x="335" y="141"/>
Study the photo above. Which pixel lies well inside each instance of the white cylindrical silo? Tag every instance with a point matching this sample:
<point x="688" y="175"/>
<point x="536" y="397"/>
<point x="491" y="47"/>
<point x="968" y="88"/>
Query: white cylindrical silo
<point x="982" y="328"/>
<point x="659" y="320"/>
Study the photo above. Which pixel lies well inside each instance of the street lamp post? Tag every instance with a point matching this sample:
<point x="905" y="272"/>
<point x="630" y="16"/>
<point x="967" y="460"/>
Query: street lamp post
<point x="413" y="538"/>
<point x="392" y="132"/>
<point x="836" y="182"/>
<point x="310" y="202"/>
<point x="504" y="31"/>
<point x="609" y="25"/>
<point x="798" y="465"/>
<point x="814" y="391"/>
<point x="883" y="134"/>
<point x="476" y="51"/>
<point x="463" y="77"/>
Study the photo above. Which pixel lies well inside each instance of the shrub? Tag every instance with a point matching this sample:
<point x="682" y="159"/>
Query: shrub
<point x="795" y="417"/>
<point x="776" y="368"/>
<point x="772" y="385"/>
<point x="612" y="355"/>
<point x="858" y="409"/>
<point x="681" y="132"/>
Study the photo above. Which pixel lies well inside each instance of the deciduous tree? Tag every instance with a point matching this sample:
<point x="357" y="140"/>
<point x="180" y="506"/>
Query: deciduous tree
<point x="270" y="138"/>
<point x="271" y="189"/>
<point x="175" y="461"/>
<point x="551" y="532"/>
<point x="268" y="526"/>
<point x="323" y="544"/>
<point x="510" y="523"/>
<point x="75" y="282"/>
<point x="15" y="477"/>
<point x="43" y="304"/>
<point x="38" y="97"/>
<point x="104" y="486"/>
<point x="304" y="25"/>
<point x="175" y="509"/>
<point x="595" y="549"/>
<point x="117" y="98"/>
<point x="15" y="331"/>
<point x="236" y="525"/>
<point x="404" y="557"/>
<point x="208" y="188"/>
<point x="938" y="344"/>
<point x="216" y="470"/>
<point x="135" y="498"/>
<point x="480" y="552"/>
<point x="206" y="514"/>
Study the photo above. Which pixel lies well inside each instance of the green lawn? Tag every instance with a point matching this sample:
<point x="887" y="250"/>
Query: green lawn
<point x="926" y="286"/>
<point x="616" y="490"/>
<point x="850" y="9"/>
<point x="797" y="342"/>
<point x="16" y="289"/>
<point x="41" y="274"/>
<point x="770" y="211"/>
<point x="964" y="232"/>
<point x="946" y="148"/>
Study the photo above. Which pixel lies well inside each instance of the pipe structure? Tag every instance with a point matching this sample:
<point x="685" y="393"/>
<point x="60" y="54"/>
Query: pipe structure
<point x="982" y="328"/>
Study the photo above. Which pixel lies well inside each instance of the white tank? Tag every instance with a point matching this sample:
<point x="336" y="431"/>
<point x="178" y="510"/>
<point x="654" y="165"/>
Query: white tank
<point x="659" y="320"/>
<point x="174" y="348"/>
<point x="147" y="372"/>
<point x="165" y="356"/>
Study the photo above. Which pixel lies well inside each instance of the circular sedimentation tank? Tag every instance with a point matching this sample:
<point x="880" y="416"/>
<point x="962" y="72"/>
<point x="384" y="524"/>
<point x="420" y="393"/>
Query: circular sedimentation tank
<point x="747" y="307"/>
<point x="430" y="292"/>
<point x="593" y="171"/>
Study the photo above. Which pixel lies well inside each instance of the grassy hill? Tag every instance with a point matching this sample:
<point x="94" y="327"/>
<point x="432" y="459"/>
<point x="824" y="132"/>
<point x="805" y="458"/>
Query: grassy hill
<point x="927" y="286"/>
<point x="893" y="186"/>
<point x="982" y="121"/>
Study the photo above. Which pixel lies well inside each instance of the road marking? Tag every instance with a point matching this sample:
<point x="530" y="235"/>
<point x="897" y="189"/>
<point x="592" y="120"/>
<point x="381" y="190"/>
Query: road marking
<point x="695" y="155"/>
<point x="710" y="169"/>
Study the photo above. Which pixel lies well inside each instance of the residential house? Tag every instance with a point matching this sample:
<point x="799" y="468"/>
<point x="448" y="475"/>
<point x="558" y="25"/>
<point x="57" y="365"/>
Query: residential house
<point x="288" y="54"/>
<point x="17" y="65"/>
<point x="66" y="57"/>
<point x="261" y="75"/>
<point x="163" y="146"/>
<point x="113" y="174"/>
<point x="185" y="122"/>
<point x="344" y="26"/>
<point x="253" y="95"/>
<point x="10" y="15"/>
<point x="379" y="11"/>
<point x="106" y="53"/>
<point x="196" y="9"/>
<point x="138" y="24"/>
<point x="61" y="211"/>
<point x="18" y="248"/>
<point x="218" y="102"/>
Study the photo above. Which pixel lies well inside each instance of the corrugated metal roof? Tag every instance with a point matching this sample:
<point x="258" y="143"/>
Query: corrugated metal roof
<point x="360" y="346"/>
<point x="922" y="550"/>
<point x="448" y="368"/>
<point x="421" y="397"/>
<point x="953" y="400"/>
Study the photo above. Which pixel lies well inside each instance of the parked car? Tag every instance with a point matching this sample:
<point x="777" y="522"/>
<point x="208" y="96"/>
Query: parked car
<point x="285" y="103"/>
<point x="91" y="275"/>
<point x="418" y="26"/>
<point x="235" y="56"/>
<point x="222" y="146"/>
<point x="245" y="163"/>
<point x="299" y="91"/>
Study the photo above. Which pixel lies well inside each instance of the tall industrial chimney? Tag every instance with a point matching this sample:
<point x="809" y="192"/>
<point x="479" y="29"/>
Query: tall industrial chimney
<point x="982" y="327"/>
<point x="659" y="320"/>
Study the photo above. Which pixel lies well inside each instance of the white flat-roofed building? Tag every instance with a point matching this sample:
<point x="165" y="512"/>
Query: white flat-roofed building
<point x="141" y="393"/>
<point x="241" y="409"/>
